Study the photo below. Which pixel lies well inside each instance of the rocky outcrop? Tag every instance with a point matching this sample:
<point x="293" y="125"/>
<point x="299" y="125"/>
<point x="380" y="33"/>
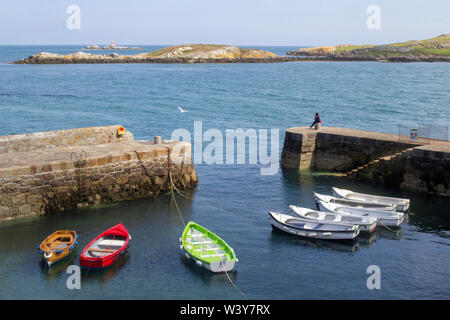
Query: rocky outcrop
<point x="430" y="50"/>
<point x="178" y="54"/>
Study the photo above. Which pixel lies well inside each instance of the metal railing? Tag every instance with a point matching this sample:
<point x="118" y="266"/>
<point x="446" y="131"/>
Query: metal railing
<point x="422" y="133"/>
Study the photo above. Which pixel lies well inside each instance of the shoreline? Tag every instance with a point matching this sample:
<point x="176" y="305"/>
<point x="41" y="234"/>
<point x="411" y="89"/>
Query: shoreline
<point x="280" y="59"/>
<point x="131" y="59"/>
<point x="110" y="59"/>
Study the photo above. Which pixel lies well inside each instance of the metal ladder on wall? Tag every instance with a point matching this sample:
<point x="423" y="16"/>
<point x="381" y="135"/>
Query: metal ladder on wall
<point x="80" y="173"/>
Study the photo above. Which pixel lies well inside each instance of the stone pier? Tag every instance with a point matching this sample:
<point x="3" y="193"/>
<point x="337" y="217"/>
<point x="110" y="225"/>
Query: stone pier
<point x="58" y="171"/>
<point x="418" y="166"/>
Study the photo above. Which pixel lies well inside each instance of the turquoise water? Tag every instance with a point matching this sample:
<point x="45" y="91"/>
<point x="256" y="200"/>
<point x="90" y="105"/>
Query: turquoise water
<point x="231" y="200"/>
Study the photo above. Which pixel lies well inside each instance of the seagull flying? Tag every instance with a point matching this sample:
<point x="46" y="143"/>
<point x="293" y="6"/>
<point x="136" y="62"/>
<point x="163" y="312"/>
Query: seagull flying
<point x="182" y="110"/>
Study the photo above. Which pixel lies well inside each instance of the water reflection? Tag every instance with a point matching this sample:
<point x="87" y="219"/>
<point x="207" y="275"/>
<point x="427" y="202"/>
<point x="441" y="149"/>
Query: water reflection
<point x="103" y="275"/>
<point x="58" y="267"/>
<point x="367" y="239"/>
<point x="298" y="178"/>
<point x="210" y="278"/>
<point x="389" y="233"/>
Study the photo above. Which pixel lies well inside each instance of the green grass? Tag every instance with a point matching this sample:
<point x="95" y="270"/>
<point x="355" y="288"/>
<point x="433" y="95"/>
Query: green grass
<point x="349" y="48"/>
<point x="418" y="47"/>
<point x="195" y="48"/>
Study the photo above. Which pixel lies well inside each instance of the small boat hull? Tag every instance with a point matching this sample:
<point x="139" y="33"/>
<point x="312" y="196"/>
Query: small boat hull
<point x="366" y="224"/>
<point x="106" y="249"/>
<point x="206" y="249"/>
<point x="216" y="267"/>
<point x="282" y="222"/>
<point x="353" y="203"/>
<point x="400" y="203"/>
<point x="58" y="246"/>
<point x="384" y="218"/>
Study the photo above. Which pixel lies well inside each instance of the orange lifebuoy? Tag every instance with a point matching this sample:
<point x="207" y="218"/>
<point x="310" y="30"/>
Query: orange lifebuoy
<point x="120" y="131"/>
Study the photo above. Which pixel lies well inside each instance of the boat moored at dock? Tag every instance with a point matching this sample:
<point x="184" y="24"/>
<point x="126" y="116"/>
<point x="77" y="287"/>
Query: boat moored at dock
<point x="58" y="245"/>
<point x="311" y="229"/>
<point x="367" y="224"/>
<point x="207" y="249"/>
<point x="384" y="218"/>
<point x="106" y="248"/>
<point x="400" y="203"/>
<point x="354" y="203"/>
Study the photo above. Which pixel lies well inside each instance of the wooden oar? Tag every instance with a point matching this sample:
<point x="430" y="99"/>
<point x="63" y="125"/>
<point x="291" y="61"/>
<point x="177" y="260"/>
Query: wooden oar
<point x="102" y="250"/>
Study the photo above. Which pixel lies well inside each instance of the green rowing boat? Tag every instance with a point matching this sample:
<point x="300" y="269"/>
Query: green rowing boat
<point x="207" y="249"/>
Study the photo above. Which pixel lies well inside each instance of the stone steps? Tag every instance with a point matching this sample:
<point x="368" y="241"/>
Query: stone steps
<point x="385" y="158"/>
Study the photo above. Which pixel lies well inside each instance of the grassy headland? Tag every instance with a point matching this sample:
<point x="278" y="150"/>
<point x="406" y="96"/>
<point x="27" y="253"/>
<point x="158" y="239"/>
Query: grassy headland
<point x="434" y="49"/>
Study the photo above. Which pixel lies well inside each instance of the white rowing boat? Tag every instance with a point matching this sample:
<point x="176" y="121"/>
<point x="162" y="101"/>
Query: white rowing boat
<point x="311" y="229"/>
<point x="402" y="204"/>
<point x="367" y="224"/>
<point x="354" y="203"/>
<point x="386" y="218"/>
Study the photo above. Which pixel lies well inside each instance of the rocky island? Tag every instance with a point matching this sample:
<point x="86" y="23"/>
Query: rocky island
<point x="429" y="50"/>
<point x="111" y="47"/>
<point x="197" y="53"/>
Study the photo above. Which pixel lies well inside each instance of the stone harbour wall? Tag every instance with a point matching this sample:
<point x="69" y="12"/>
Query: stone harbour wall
<point x="63" y="138"/>
<point x="341" y="153"/>
<point x="428" y="171"/>
<point x="116" y="173"/>
<point x="378" y="157"/>
<point x="335" y="149"/>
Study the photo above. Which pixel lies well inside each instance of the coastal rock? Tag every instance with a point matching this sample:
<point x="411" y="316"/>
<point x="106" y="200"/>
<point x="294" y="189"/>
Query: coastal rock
<point x="429" y="50"/>
<point x="198" y="53"/>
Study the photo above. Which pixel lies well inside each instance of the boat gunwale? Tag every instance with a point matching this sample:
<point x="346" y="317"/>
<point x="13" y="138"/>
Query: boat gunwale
<point x="383" y="214"/>
<point x="396" y="201"/>
<point x="222" y="243"/>
<point x="364" y="220"/>
<point x="73" y="236"/>
<point x="363" y="204"/>
<point x="316" y="230"/>
<point x="84" y="257"/>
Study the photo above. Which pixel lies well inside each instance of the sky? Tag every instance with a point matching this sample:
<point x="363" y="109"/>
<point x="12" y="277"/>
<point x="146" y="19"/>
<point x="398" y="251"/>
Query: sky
<point x="237" y="22"/>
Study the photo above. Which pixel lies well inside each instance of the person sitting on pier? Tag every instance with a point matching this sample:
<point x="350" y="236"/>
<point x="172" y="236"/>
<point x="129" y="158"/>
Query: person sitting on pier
<point x="317" y="121"/>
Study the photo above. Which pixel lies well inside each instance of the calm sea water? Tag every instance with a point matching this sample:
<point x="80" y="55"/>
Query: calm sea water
<point x="231" y="200"/>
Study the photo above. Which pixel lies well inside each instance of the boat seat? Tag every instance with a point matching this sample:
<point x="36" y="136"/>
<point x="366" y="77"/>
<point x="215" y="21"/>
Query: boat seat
<point x="59" y="246"/>
<point x="102" y="250"/>
<point x="201" y="242"/>
<point x="196" y="235"/>
<point x="207" y="249"/>
<point x="111" y="243"/>
<point x="212" y="255"/>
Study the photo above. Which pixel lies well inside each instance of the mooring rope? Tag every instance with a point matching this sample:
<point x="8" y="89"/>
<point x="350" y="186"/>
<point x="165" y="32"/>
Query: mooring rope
<point x="166" y="174"/>
<point x="173" y="187"/>
<point x="175" y="200"/>
<point x="184" y="195"/>
<point x="415" y="215"/>
<point x="233" y="284"/>
<point x="387" y="227"/>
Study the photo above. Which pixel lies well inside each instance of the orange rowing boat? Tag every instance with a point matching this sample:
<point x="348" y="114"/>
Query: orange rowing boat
<point x="58" y="246"/>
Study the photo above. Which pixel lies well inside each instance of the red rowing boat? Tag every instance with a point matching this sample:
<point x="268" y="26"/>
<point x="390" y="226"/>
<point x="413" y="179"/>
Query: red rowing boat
<point x="107" y="248"/>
